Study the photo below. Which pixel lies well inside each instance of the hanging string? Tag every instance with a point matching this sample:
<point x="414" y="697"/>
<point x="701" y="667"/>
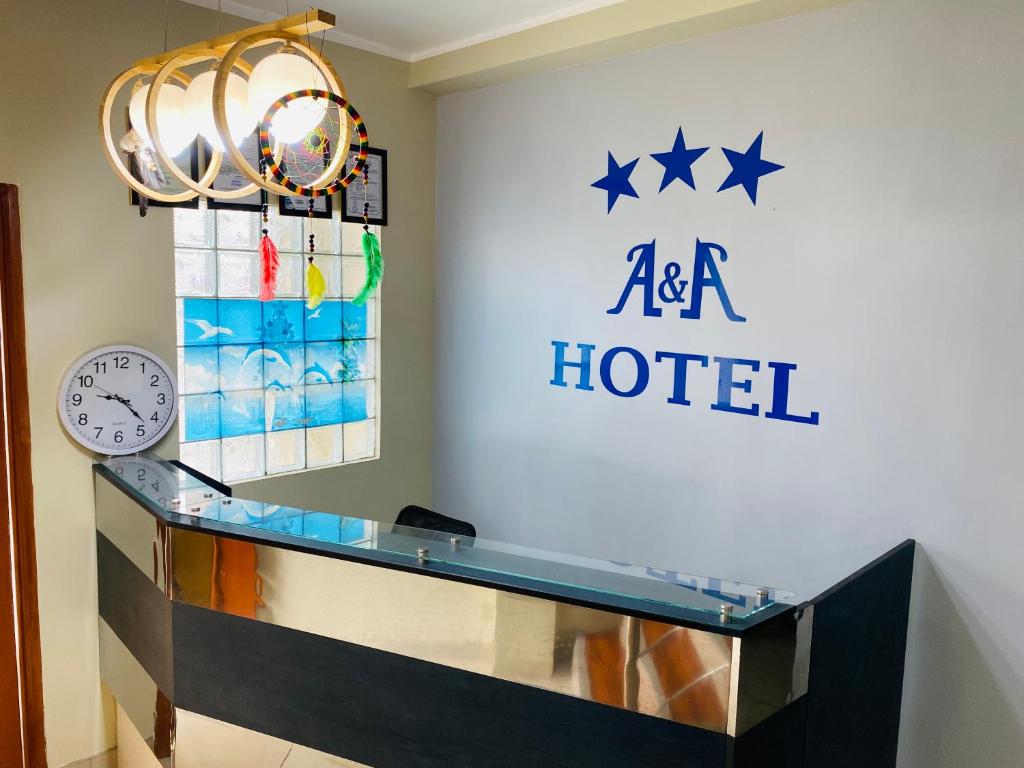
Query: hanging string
<point x="312" y="64"/>
<point x="371" y="248"/>
<point x="167" y="21"/>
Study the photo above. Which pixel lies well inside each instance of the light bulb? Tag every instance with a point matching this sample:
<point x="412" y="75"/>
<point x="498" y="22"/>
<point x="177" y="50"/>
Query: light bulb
<point x="176" y="130"/>
<point x="199" y="108"/>
<point x="280" y="74"/>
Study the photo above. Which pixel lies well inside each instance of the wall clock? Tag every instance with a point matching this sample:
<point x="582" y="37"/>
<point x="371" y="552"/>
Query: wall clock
<point x="118" y="400"/>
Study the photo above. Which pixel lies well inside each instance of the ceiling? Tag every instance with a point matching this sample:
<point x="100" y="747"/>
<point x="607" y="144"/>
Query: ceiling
<point x="417" y="29"/>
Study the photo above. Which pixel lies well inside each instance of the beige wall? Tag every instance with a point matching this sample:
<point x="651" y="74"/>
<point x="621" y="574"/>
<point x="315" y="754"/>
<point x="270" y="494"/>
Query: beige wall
<point x="95" y="273"/>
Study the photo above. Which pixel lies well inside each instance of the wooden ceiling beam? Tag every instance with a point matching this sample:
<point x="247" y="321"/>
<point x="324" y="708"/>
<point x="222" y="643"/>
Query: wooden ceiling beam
<point x="307" y="23"/>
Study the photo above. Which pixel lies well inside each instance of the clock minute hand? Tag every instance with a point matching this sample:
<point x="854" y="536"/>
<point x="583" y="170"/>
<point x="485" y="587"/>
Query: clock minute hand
<point x="126" y="403"/>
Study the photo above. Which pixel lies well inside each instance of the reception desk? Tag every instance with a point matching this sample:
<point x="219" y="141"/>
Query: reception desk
<point x="238" y="633"/>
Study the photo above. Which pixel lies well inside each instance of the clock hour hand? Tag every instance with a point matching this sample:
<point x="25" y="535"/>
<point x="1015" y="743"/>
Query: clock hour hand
<point x="126" y="403"/>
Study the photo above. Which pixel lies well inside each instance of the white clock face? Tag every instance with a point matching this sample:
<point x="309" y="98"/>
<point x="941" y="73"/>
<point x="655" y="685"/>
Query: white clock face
<point x="118" y="400"/>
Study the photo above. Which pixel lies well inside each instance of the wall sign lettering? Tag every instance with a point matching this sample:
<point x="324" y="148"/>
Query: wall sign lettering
<point x="690" y="289"/>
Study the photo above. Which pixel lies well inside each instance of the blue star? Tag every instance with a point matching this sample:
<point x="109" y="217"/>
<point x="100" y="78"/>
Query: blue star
<point x="747" y="168"/>
<point x="617" y="181"/>
<point x="677" y="162"/>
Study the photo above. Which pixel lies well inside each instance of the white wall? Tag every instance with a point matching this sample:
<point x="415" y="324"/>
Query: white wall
<point x="885" y="260"/>
<point x="95" y="274"/>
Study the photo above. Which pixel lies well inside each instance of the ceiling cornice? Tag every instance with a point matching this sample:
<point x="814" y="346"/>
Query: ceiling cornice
<point x="598" y="34"/>
<point x="334" y="35"/>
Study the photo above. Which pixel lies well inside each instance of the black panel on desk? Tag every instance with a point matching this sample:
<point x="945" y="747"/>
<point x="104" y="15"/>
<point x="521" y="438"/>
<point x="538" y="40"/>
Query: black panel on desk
<point x="137" y="611"/>
<point x="778" y="742"/>
<point x="857" y="654"/>
<point x="390" y="711"/>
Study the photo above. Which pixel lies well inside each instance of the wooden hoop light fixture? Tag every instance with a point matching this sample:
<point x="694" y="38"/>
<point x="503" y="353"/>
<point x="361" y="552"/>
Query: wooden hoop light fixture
<point x="227" y="51"/>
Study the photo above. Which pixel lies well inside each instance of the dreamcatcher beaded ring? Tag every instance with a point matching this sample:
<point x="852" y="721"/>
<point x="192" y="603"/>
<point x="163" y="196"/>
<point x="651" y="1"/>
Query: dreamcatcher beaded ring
<point x="317" y="144"/>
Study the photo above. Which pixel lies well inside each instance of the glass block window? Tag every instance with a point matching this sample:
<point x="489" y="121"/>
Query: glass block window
<point x="272" y="387"/>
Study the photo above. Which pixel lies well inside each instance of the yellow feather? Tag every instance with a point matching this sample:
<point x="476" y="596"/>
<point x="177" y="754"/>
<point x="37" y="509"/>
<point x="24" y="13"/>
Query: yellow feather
<point x="316" y="286"/>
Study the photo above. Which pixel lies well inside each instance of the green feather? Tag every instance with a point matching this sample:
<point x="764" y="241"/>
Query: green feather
<point x="374" y="266"/>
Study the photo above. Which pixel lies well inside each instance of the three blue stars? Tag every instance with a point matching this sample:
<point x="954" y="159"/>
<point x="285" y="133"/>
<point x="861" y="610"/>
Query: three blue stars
<point x="747" y="169"/>
<point x="616" y="182"/>
<point x="677" y="162"/>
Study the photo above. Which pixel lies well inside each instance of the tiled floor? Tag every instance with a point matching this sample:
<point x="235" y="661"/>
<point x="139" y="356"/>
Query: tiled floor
<point x="106" y="760"/>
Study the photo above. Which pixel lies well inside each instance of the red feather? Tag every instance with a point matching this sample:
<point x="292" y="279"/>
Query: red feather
<point x="269" y="261"/>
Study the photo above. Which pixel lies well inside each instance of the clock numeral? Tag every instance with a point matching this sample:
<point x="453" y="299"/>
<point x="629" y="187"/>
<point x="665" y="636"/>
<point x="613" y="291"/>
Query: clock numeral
<point x="85" y="381"/>
<point x="121" y="361"/>
<point x="118" y="436"/>
<point x="140" y="431"/>
<point x="83" y="419"/>
<point x="154" y="380"/>
<point x="154" y="419"/>
<point x="143" y="364"/>
<point x="99" y="431"/>
<point x="141" y="475"/>
<point x="76" y="399"/>
<point x="100" y="366"/>
<point x="161" y="398"/>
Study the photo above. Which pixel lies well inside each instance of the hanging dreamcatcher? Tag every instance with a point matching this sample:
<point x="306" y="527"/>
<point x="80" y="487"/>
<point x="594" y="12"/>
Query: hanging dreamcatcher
<point x="300" y="168"/>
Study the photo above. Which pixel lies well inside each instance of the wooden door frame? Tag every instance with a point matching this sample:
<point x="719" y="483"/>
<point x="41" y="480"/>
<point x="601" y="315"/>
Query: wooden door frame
<point x="16" y="505"/>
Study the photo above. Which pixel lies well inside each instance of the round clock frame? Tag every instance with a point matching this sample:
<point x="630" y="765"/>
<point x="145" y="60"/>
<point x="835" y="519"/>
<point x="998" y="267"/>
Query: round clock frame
<point x="109" y="382"/>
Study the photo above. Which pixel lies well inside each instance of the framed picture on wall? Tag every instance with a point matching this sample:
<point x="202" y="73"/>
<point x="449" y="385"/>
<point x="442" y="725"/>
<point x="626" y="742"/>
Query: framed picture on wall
<point x="376" y="190"/>
<point x="188" y="161"/>
<point x="229" y="177"/>
<point x="297" y="205"/>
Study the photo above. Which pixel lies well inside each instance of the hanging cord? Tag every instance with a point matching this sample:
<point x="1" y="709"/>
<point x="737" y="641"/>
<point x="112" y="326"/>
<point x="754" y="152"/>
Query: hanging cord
<point x="167" y="21"/>
<point x="312" y="240"/>
<point x="312" y="64"/>
<point x="366" y="199"/>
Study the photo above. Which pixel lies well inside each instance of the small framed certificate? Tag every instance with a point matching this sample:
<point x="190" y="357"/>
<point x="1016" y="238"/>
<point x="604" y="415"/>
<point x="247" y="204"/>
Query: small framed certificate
<point x="229" y="177"/>
<point x="297" y="205"/>
<point x="376" y="192"/>
<point x="188" y="161"/>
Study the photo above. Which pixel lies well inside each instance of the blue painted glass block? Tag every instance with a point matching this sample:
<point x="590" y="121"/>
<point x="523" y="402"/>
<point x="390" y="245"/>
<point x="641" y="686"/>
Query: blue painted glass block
<point x="355" y="395"/>
<point x="285" y="408"/>
<point x="200" y="417"/>
<point x="241" y="367"/>
<point x="201" y="370"/>
<point x="324" y="322"/>
<point x="241" y="413"/>
<point x="353" y="529"/>
<point x="241" y="512"/>
<point x="324" y="362"/>
<point x="240" y="321"/>
<point x="199" y="321"/>
<point x="353" y="321"/>
<point x="323" y="405"/>
<point x="355" y="357"/>
<point x="284" y="520"/>
<point x="283" y="321"/>
<point x="322" y="526"/>
<point x="283" y="365"/>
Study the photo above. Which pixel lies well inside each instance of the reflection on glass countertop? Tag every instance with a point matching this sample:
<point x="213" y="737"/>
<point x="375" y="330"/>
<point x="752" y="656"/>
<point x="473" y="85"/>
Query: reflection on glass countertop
<point x="185" y="500"/>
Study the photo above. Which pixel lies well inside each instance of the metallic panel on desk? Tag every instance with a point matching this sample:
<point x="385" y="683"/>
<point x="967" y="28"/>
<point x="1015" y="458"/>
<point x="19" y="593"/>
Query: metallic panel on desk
<point x="139" y="536"/>
<point x="671" y="672"/>
<point x="681" y="674"/>
<point x="771" y="668"/>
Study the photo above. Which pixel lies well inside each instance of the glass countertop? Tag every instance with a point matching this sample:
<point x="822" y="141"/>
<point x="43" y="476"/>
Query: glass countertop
<point x="185" y="500"/>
